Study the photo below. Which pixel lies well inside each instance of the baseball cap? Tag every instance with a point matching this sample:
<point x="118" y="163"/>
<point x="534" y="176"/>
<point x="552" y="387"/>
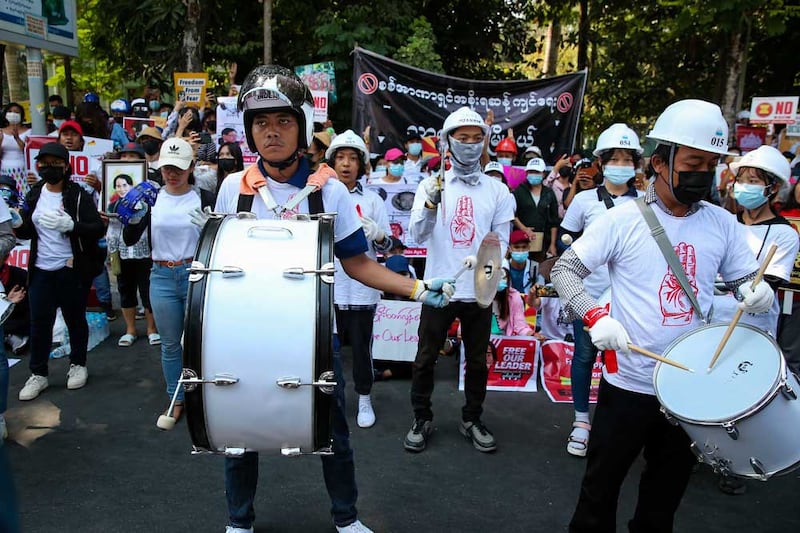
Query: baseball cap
<point x="71" y="124"/>
<point x="133" y="148"/>
<point x="176" y="152"/>
<point x="536" y="165"/>
<point x="393" y="153"/>
<point x="397" y="263"/>
<point x="54" y="149"/>
<point x="518" y="236"/>
<point x="150" y="131"/>
<point x="493" y="166"/>
<point x="324" y="137"/>
<point x="534" y="150"/>
<point x="61" y="112"/>
<point x="412" y="135"/>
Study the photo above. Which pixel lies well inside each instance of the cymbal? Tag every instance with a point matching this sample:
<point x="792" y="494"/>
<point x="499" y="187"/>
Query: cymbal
<point x="488" y="269"/>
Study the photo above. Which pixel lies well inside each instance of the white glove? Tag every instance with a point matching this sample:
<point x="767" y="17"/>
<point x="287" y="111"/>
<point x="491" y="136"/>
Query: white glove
<point x="58" y="221"/>
<point x="609" y="334"/>
<point x="16" y="219"/>
<point x="200" y="216"/>
<point x="373" y="232"/>
<point x="758" y="300"/>
<point x="433" y="190"/>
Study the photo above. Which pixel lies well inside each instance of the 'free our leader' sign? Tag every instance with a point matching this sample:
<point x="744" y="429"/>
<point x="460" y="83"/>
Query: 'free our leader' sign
<point x="774" y="110"/>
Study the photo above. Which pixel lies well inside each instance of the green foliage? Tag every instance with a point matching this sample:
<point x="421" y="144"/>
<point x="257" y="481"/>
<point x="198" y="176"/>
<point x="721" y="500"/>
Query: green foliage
<point x="419" y="49"/>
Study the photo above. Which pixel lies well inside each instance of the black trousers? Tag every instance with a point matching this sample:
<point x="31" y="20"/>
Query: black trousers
<point x="476" y="326"/>
<point x="134" y="276"/>
<point x="624" y="423"/>
<point x="789" y="335"/>
<point x="354" y="328"/>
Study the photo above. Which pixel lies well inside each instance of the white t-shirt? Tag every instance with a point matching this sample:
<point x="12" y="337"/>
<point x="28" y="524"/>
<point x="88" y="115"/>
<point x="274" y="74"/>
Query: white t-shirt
<point x="54" y="248"/>
<point x="584" y="209"/>
<point x="471" y="211"/>
<point x="173" y="236"/>
<point x="346" y="290"/>
<point x="646" y="297"/>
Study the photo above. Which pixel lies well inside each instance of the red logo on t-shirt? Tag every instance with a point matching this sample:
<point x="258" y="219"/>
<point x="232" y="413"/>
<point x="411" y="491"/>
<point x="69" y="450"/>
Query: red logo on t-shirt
<point x="676" y="309"/>
<point x="462" y="228"/>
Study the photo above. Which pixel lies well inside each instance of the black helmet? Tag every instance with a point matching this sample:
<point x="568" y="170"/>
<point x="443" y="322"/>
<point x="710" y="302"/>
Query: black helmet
<point x="276" y="88"/>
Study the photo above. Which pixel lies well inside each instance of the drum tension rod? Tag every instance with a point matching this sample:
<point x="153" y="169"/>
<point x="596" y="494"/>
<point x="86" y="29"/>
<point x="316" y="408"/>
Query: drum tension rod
<point x="198" y="270"/>
<point x="299" y="272"/>
<point x="325" y="383"/>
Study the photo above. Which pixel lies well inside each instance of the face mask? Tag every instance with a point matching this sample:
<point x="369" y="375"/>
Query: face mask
<point x="52" y="175"/>
<point x="211" y="125"/>
<point x="519" y="257"/>
<point x="310" y="158"/>
<point x="396" y="169"/>
<point x="748" y="195"/>
<point x="618" y="175"/>
<point x="57" y="122"/>
<point x="415" y="149"/>
<point x="506" y="161"/>
<point x="226" y="165"/>
<point x="13" y="118"/>
<point x="466" y="160"/>
<point x="204" y="172"/>
<point x="150" y="147"/>
<point x="379" y="170"/>
<point x="7" y="195"/>
<point x="693" y="186"/>
<point x="503" y="285"/>
<point x="535" y="179"/>
<point x="164" y="114"/>
<point x="154" y="105"/>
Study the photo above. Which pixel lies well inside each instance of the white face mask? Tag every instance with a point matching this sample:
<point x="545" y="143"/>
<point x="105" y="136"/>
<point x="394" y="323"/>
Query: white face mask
<point x="57" y="122"/>
<point x="13" y="118"/>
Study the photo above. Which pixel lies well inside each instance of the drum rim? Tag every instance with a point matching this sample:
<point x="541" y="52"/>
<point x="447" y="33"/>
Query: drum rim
<point x="322" y="416"/>
<point x="755" y="408"/>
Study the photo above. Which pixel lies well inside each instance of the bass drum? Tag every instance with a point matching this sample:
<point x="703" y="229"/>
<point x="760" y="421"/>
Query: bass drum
<point x="258" y="334"/>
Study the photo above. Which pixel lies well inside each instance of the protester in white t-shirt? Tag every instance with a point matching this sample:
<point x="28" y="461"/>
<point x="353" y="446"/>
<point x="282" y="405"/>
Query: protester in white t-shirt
<point x="619" y="154"/>
<point x="451" y="217"/>
<point x="650" y="309"/>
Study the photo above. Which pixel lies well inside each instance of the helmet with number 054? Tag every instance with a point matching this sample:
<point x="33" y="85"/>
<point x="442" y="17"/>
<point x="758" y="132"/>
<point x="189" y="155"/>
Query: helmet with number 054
<point x="348" y="139"/>
<point x="617" y="136"/>
<point x="766" y="158"/>
<point x="128" y="205"/>
<point x="270" y="88"/>
<point x="462" y="116"/>
<point x="692" y="123"/>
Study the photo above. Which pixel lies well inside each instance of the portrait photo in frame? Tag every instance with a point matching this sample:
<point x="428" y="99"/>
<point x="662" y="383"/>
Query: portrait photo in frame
<point x="118" y="178"/>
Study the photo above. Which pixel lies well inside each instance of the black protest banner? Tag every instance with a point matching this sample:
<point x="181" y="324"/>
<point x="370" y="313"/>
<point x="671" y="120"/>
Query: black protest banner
<point x="394" y="98"/>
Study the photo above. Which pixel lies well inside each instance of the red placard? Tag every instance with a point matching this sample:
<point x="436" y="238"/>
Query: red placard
<point x="556" y="371"/>
<point x="512" y="363"/>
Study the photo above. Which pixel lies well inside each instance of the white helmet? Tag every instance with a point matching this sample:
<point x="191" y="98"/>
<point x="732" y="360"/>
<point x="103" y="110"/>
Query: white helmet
<point x="692" y="123"/>
<point x="766" y="158"/>
<point x="617" y="135"/>
<point x="348" y="139"/>
<point x="493" y="166"/>
<point x="463" y="116"/>
<point x="536" y="165"/>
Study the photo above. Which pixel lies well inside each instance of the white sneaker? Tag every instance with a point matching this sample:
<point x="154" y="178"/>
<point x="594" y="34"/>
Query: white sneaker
<point x="355" y="527"/>
<point x="34" y="386"/>
<point x="231" y="529"/>
<point x="76" y="377"/>
<point x="366" y="416"/>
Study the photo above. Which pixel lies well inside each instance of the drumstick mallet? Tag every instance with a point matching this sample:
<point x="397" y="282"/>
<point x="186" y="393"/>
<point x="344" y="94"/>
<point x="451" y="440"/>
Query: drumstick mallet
<point x="651" y="355"/>
<point x="167" y="421"/>
<point x="738" y="314"/>
<point x="468" y="264"/>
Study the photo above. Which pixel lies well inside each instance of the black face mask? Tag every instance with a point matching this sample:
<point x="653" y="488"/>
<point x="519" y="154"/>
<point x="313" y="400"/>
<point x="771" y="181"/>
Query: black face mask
<point x="226" y="165"/>
<point x="52" y="175"/>
<point x="150" y="147"/>
<point x="693" y="186"/>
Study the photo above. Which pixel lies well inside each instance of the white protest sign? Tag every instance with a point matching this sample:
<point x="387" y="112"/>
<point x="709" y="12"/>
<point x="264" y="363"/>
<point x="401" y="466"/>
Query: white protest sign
<point x="394" y="330"/>
<point x="773" y="110"/>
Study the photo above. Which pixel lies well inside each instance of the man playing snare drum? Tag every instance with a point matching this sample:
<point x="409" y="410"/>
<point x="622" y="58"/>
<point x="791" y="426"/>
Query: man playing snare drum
<point x="651" y="310"/>
<point x="278" y="117"/>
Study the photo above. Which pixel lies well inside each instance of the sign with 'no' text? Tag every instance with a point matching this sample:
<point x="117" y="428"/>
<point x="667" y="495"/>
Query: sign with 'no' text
<point x="774" y="109"/>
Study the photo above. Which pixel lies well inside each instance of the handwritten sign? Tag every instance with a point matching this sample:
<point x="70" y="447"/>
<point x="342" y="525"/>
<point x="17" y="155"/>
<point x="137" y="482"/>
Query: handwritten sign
<point x="394" y="330"/>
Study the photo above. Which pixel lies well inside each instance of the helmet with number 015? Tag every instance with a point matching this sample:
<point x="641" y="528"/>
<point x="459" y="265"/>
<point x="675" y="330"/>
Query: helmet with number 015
<point x="276" y="88"/>
<point x="120" y="105"/>
<point x="348" y="139"/>
<point x="128" y="205"/>
<point x="506" y="145"/>
<point x="616" y="136"/>
<point x="766" y="158"/>
<point x="462" y="116"/>
<point x="692" y="123"/>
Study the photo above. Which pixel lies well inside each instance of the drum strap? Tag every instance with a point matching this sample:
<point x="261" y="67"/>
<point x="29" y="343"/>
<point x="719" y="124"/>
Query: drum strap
<point x="315" y="207"/>
<point x="660" y="236"/>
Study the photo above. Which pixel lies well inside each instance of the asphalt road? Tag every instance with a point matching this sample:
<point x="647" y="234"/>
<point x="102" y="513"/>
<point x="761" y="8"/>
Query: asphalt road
<point x="99" y="464"/>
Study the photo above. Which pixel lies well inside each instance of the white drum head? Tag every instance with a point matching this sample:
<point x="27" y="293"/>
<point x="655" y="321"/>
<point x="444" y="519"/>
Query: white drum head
<point x="747" y="372"/>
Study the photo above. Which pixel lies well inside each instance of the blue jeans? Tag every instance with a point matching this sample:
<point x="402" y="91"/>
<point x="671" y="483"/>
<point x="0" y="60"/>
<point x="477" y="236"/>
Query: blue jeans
<point x="168" y="290"/>
<point x="241" y="473"/>
<point x="583" y="360"/>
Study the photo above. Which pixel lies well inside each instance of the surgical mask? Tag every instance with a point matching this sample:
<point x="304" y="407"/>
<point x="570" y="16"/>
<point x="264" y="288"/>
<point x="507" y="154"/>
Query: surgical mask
<point x="379" y="170"/>
<point x="535" y="179"/>
<point x="154" y="105"/>
<point x="13" y="118"/>
<point x="226" y="164"/>
<point x="618" y="175"/>
<point x="151" y="147"/>
<point x="164" y="114"/>
<point x="519" y="257"/>
<point x="57" y="122"/>
<point x="466" y="160"/>
<point x="748" y="195"/>
<point x="506" y="161"/>
<point x="693" y="186"/>
<point x="503" y="285"/>
<point x="204" y="172"/>
<point x="396" y="169"/>
<point x="415" y="149"/>
<point x="52" y="175"/>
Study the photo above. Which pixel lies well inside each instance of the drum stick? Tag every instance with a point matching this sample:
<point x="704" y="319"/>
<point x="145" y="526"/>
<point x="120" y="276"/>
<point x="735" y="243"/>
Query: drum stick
<point x="652" y="355"/>
<point x="738" y="314"/>
<point x="469" y="264"/>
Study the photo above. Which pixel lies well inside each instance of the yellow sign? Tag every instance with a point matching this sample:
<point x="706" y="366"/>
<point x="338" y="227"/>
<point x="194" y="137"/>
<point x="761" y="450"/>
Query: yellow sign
<point x="794" y="281"/>
<point x="191" y="87"/>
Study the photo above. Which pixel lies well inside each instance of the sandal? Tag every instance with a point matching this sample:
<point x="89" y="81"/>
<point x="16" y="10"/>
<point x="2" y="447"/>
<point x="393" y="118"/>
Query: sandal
<point x="126" y="340"/>
<point x="154" y="339"/>
<point x="575" y="445"/>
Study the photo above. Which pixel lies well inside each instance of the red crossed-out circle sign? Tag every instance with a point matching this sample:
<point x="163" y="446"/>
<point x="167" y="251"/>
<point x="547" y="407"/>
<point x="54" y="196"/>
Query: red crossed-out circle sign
<point x="564" y="102"/>
<point x="367" y="83"/>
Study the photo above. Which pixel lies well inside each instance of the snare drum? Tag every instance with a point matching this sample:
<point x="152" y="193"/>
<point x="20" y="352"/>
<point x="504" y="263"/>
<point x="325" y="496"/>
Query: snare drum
<point x="744" y="416"/>
<point x="257" y="347"/>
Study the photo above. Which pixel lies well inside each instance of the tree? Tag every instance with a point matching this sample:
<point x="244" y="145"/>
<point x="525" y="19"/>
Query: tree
<point x="419" y="50"/>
